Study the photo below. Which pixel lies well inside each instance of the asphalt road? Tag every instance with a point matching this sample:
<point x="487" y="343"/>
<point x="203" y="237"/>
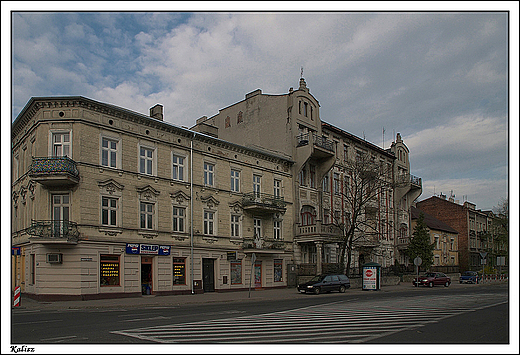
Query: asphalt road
<point x="455" y="315"/>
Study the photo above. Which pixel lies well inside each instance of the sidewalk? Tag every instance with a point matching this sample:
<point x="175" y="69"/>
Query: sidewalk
<point x="176" y="300"/>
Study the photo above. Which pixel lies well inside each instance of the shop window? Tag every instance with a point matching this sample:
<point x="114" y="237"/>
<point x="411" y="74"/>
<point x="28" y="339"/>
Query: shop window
<point x="236" y="272"/>
<point x="109" y="270"/>
<point x="278" y="270"/>
<point x="179" y="271"/>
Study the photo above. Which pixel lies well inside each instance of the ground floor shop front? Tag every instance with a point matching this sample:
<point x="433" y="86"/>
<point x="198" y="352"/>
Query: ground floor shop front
<point x="90" y="270"/>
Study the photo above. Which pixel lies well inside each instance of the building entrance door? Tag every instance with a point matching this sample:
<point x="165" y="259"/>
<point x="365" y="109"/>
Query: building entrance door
<point x="146" y="275"/>
<point x="208" y="275"/>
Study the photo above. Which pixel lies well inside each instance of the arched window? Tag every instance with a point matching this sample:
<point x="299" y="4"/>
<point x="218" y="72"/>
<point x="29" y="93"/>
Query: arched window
<point x="308" y="215"/>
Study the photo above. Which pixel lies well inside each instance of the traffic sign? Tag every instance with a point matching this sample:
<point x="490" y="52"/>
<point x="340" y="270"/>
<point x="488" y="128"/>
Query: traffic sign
<point x="417" y="261"/>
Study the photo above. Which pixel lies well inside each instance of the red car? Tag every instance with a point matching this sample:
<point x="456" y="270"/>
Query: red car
<point x="431" y="279"/>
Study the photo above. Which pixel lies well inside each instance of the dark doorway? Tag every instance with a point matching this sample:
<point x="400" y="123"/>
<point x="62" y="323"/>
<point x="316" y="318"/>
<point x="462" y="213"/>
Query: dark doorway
<point x="146" y="275"/>
<point x="208" y="275"/>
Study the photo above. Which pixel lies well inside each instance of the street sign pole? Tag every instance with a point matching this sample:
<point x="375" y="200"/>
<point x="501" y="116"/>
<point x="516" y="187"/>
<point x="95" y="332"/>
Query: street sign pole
<point x="417" y="261"/>
<point x="483" y="261"/>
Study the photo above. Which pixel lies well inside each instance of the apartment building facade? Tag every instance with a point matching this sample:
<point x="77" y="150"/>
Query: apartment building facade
<point x="290" y="125"/>
<point x="475" y="229"/>
<point x="443" y="237"/>
<point x="107" y="202"/>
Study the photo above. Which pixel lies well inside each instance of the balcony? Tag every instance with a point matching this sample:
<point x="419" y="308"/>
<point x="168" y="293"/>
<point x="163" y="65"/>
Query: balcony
<point x="324" y="146"/>
<point x="260" y="203"/>
<point x="416" y="181"/>
<point x="54" y="171"/>
<point x="265" y="246"/>
<point x="54" y="231"/>
<point x="317" y="232"/>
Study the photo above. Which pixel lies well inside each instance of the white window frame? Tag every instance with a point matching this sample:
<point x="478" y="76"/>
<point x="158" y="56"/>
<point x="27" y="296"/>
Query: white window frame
<point x="257" y="184"/>
<point x="209" y="225"/>
<point x="112" y="212"/>
<point x="179" y="220"/>
<point x="149" y="225"/>
<point x="235" y="225"/>
<point x="235" y="180"/>
<point x="109" y="151"/>
<point x="209" y="174"/>
<point x="257" y="227"/>
<point x="147" y="159"/>
<point x="277" y="229"/>
<point x="53" y="144"/>
<point x="277" y="188"/>
<point x="178" y="169"/>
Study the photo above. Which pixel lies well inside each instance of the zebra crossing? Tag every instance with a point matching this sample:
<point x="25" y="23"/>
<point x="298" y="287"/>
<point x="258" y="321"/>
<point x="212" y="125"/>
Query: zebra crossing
<point x="350" y="321"/>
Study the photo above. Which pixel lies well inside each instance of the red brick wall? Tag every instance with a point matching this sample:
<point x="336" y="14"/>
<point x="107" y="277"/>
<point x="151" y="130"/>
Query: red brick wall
<point x="454" y="215"/>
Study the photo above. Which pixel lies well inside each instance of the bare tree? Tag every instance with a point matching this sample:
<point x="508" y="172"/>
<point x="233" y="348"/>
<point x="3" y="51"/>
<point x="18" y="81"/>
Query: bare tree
<point x="365" y="180"/>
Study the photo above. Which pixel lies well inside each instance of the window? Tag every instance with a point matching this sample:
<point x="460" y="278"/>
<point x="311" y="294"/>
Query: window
<point x="345" y="152"/>
<point x="109" y="211"/>
<point x="177" y="167"/>
<point x="312" y="176"/>
<point x="179" y="215"/>
<point x="257" y="227"/>
<point x="60" y="215"/>
<point x="326" y="216"/>
<point x="236" y="272"/>
<point x="235" y="225"/>
<point x="179" y="271"/>
<point x="61" y="144"/>
<point x="278" y="270"/>
<point x="209" y="218"/>
<point x="336" y="184"/>
<point x="305" y="109"/>
<point x="146" y="161"/>
<point x="308" y="216"/>
<point x="277" y="229"/>
<point x="302" y="177"/>
<point x="256" y="184"/>
<point x="209" y="170"/>
<point x="108" y="152"/>
<point x="109" y="270"/>
<point x="277" y="188"/>
<point x="325" y="183"/>
<point x="235" y="180"/>
<point x="146" y="214"/>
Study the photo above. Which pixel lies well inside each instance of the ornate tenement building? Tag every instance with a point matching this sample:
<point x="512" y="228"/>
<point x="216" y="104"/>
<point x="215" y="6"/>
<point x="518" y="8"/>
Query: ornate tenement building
<point x="289" y="125"/>
<point x="107" y="202"/>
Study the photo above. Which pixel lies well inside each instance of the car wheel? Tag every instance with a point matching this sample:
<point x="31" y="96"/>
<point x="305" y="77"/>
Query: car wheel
<point x="317" y="290"/>
<point x="446" y="284"/>
<point x="342" y="289"/>
<point x="460" y="282"/>
<point x="430" y="284"/>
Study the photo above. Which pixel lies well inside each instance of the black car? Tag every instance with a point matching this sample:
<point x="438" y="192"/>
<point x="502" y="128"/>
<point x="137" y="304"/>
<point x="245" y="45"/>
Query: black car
<point x="325" y="283"/>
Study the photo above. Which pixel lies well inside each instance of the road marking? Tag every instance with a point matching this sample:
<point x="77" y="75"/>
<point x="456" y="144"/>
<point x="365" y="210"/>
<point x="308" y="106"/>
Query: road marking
<point x="40" y="321"/>
<point x="338" y="322"/>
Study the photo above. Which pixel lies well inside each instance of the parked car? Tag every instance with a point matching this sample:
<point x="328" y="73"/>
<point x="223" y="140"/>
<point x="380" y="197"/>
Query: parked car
<point x="431" y="279"/>
<point x="470" y="277"/>
<point x="325" y="283"/>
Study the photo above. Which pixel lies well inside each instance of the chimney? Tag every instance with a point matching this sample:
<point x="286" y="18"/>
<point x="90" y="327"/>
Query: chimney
<point x="157" y="112"/>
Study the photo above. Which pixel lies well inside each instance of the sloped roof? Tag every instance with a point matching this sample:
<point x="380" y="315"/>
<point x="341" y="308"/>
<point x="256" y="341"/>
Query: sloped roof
<point x="432" y="222"/>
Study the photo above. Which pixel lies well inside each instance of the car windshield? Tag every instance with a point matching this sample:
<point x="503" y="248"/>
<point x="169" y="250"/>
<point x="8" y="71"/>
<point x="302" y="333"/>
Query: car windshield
<point x="468" y="273"/>
<point x="316" y="278"/>
<point x="429" y="274"/>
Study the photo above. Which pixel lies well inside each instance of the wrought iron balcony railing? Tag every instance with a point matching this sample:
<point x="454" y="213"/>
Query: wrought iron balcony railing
<point x="324" y="143"/>
<point x="261" y="202"/>
<point x="260" y="243"/>
<point x="54" y="230"/>
<point x="54" y="170"/>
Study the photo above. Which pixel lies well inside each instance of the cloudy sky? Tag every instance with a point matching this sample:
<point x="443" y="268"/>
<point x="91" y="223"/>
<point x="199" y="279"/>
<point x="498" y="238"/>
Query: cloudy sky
<point x="438" y="78"/>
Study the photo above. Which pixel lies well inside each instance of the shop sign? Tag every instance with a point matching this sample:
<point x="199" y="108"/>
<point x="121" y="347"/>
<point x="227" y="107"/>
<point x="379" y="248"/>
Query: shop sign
<point x="15" y="251"/>
<point x="147" y="249"/>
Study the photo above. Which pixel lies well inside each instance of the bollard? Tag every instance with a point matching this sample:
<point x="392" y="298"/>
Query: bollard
<point x="17" y="296"/>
